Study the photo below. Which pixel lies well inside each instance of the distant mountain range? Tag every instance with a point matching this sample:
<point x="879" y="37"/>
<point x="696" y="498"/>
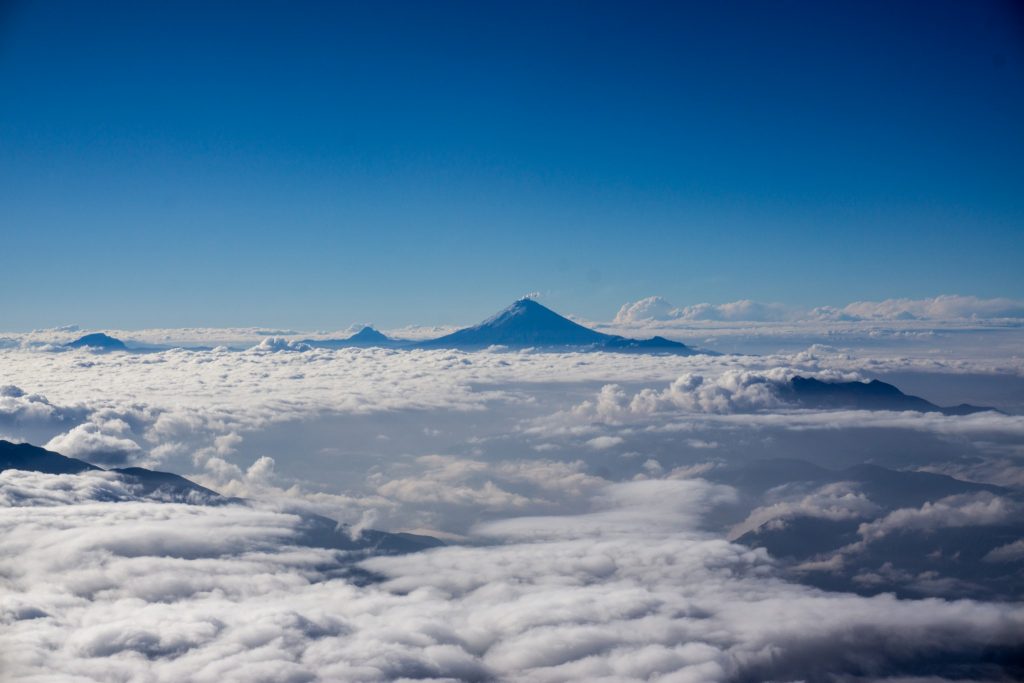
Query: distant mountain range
<point x="314" y="530"/>
<point x="524" y="324"/>
<point x="809" y="392"/>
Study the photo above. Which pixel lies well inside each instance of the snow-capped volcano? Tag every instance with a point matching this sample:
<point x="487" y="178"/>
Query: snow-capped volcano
<point x="527" y="323"/>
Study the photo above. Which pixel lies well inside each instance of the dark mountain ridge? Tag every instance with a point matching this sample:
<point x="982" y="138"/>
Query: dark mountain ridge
<point x="23" y="456"/>
<point x="314" y="530"/>
<point x="874" y="395"/>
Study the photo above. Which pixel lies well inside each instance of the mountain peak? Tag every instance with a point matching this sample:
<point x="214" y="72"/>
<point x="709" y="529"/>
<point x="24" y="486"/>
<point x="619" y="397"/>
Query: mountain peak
<point x="365" y="338"/>
<point x="528" y="302"/>
<point x="526" y="307"/>
<point x="368" y="334"/>
<point x="524" y="323"/>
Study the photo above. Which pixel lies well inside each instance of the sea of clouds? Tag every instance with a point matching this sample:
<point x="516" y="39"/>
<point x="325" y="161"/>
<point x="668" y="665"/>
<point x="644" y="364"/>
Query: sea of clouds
<point x="588" y="538"/>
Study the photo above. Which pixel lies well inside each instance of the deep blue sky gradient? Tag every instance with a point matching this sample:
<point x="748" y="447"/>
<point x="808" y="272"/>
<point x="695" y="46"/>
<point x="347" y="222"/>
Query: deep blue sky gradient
<point x="314" y="164"/>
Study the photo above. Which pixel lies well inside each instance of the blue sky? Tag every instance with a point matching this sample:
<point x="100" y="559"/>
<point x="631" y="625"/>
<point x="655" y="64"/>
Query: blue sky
<point x="313" y="164"/>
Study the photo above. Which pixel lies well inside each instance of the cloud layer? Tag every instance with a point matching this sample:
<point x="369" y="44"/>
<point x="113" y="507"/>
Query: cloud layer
<point x="585" y="544"/>
<point x="941" y="308"/>
<point x="628" y="591"/>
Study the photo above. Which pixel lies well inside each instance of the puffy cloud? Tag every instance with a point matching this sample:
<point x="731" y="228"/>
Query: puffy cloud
<point x="655" y="308"/>
<point x="18" y="407"/>
<point x="104" y="443"/>
<point x="736" y="310"/>
<point x="651" y="308"/>
<point x="733" y="391"/>
<point x="728" y="391"/>
<point x="276" y="344"/>
<point x="261" y="470"/>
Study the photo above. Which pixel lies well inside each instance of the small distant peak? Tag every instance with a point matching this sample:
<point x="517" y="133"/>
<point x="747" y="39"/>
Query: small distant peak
<point x="368" y="333"/>
<point x="98" y="340"/>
